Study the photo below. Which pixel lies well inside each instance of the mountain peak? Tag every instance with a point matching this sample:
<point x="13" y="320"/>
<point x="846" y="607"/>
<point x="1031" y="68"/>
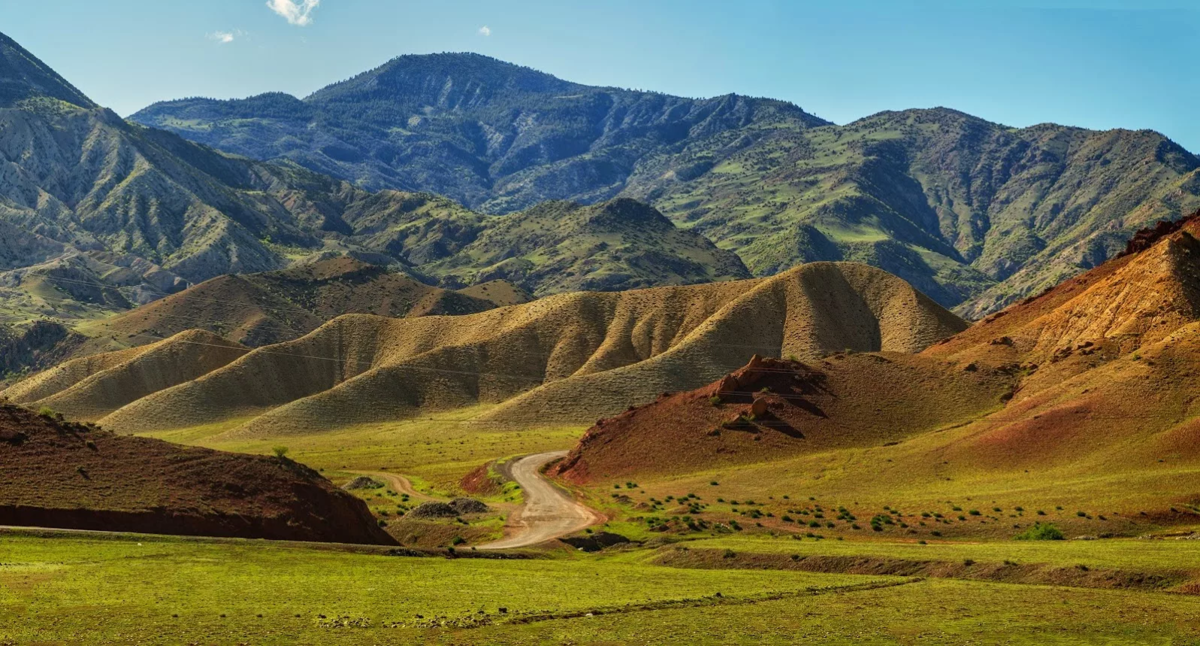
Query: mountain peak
<point x="23" y="76"/>
<point x="442" y="79"/>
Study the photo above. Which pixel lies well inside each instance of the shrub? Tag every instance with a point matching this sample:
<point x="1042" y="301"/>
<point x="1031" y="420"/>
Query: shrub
<point x="1041" y="532"/>
<point x="715" y="400"/>
<point x="46" y="411"/>
<point x="279" y="451"/>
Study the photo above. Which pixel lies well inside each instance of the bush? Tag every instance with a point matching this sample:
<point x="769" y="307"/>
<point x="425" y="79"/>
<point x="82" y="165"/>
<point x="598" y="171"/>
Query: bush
<point x="46" y="411"/>
<point x="280" y="451"/>
<point x="1041" y="532"/>
<point x="715" y="400"/>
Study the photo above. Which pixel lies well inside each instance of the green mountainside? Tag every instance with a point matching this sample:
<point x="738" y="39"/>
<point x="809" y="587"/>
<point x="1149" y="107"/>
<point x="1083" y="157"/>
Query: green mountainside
<point x="613" y="246"/>
<point x="99" y="215"/>
<point x="975" y="214"/>
<point x="23" y="76"/>
<point x="970" y="212"/>
<point x="491" y="135"/>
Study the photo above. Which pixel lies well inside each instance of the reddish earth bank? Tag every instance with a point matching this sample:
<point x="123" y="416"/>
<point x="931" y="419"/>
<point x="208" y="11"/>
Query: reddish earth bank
<point x="60" y="474"/>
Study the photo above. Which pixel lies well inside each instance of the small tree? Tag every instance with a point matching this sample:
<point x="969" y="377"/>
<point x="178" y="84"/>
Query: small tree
<point x="280" y="451"/>
<point x="1041" y="532"/>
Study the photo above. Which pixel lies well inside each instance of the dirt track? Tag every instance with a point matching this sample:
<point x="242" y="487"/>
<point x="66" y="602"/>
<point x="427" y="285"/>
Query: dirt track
<point x="548" y="512"/>
<point x="398" y="483"/>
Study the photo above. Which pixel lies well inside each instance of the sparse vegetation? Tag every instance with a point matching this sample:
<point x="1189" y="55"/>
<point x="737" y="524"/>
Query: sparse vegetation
<point x="1041" y="532"/>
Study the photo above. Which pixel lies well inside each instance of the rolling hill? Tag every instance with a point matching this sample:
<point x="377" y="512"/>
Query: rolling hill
<point x="567" y="358"/>
<point x="60" y="474"/>
<point x="973" y="213"/>
<point x="89" y="388"/>
<point x="270" y="307"/>
<point x="1089" y="385"/>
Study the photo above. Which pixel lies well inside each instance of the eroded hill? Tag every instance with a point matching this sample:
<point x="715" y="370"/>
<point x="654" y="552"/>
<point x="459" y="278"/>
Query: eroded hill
<point x="565" y="358"/>
<point x="1092" y="381"/>
<point x="61" y="474"/>
<point x="270" y="307"/>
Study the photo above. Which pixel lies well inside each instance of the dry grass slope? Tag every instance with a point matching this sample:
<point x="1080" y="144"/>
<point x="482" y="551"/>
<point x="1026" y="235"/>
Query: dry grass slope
<point x="177" y="360"/>
<point x="567" y="358"/>
<point x="271" y="307"/>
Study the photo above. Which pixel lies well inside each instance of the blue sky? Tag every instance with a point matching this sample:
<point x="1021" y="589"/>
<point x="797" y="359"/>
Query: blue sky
<point x="1096" y="64"/>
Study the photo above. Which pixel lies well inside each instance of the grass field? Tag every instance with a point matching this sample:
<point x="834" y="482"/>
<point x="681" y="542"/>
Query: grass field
<point x="924" y="494"/>
<point x="435" y="452"/>
<point x="1125" y="554"/>
<point x="161" y="590"/>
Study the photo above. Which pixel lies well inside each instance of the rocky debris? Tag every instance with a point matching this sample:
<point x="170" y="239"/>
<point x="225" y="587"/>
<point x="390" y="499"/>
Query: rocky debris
<point x="452" y="509"/>
<point x="469" y="506"/>
<point x="595" y="542"/>
<point x="433" y="510"/>
<point x="363" y="482"/>
<point x="728" y="384"/>
<point x="759" y="407"/>
<point x="1145" y="238"/>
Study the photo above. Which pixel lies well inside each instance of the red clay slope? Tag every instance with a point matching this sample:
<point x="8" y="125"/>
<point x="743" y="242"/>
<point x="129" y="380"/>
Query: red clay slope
<point x="65" y="475"/>
<point x="1098" y="371"/>
<point x="772" y="409"/>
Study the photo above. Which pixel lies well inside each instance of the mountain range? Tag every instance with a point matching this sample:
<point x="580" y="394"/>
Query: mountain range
<point x="550" y="186"/>
<point x="99" y="215"/>
<point x="973" y="213"/>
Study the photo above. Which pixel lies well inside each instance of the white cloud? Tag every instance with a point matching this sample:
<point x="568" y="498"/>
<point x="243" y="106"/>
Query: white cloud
<point x="485" y="31"/>
<point x="296" y="12"/>
<point x="222" y="37"/>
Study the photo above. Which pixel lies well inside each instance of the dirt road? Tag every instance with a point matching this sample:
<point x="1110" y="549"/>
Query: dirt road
<point x="399" y="484"/>
<point x="548" y="512"/>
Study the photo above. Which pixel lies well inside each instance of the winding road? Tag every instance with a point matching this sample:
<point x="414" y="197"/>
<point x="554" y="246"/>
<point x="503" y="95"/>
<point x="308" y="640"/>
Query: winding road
<point x="548" y="512"/>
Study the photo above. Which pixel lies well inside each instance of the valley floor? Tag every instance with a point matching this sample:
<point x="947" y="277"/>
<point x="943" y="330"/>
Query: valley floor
<point x="726" y="556"/>
<point x="61" y="588"/>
